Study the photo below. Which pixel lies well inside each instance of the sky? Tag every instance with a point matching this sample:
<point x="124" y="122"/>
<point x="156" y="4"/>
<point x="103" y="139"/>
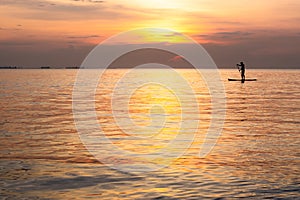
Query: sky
<point x="60" y="33"/>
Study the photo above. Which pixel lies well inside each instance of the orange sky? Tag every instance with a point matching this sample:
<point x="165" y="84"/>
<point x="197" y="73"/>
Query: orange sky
<point x="53" y="26"/>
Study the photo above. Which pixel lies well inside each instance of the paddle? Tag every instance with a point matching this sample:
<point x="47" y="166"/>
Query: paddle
<point x="237" y="65"/>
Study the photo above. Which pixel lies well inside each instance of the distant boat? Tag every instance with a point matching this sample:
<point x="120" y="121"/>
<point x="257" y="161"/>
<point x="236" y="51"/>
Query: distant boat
<point x="238" y="79"/>
<point x="45" y="67"/>
<point x="8" y="67"/>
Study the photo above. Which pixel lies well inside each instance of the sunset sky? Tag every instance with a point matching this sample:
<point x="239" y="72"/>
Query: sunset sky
<point x="262" y="33"/>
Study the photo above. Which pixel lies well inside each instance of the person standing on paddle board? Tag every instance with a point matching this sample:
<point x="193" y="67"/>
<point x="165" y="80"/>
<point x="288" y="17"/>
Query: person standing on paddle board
<point x="241" y="68"/>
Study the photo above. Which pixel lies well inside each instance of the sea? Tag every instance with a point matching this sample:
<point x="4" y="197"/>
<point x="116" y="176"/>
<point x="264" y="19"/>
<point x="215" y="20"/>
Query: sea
<point x="114" y="144"/>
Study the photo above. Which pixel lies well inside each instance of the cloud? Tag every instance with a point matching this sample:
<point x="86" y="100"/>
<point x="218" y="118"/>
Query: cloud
<point x="75" y="10"/>
<point x="259" y="51"/>
<point x="10" y="29"/>
<point x="31" y="3"/>
<point x="176" y="59"/>
<point x="15" y="43"/>
<point x="206" y="18"/>
<point x="34" y="43"/>
<point x="28" y="3"/>
<point x="83" y="36"/>
<point x="173" y="35"/>
<point x="90" y="1"/>
<point x="36" y="53"/>
<point x="225" y="36"/>
<point x="72" y="11"/>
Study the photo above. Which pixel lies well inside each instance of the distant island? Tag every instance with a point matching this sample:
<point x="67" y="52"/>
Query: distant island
<point x="42" y="67"/>
<point x="9" y="67"/>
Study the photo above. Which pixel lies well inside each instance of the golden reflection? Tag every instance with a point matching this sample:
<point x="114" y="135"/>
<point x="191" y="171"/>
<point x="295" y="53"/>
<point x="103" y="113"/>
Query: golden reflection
<point x="153" y="99"/>
<point x="42" y="155"/>
<point x="148" y="103"/>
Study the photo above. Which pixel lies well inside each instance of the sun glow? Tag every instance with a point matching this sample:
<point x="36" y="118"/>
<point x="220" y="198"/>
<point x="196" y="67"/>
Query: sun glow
<point x="163" y="35"/>
<point x="166" y="4"/>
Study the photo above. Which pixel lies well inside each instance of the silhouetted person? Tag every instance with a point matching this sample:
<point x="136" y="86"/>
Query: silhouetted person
<point x="241" y="68"/>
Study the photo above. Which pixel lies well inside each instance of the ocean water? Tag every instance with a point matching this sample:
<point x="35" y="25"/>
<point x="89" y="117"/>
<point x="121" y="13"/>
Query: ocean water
<point x="256" y="156"/>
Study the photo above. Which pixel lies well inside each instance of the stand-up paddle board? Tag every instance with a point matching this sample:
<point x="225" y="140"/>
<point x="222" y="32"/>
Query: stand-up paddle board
<point x="247" y="79"/>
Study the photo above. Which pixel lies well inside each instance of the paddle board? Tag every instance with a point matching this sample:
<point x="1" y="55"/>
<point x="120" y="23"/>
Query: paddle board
<point x="247" y="79"/>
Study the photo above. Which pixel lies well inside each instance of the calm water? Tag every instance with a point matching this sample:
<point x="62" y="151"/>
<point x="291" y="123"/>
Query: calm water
<point x="257" y="155"/>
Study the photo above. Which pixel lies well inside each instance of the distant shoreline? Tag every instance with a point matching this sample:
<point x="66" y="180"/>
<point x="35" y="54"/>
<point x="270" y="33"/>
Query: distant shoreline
<point x="42" y="67"/>
<point x="47" y="67"/>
